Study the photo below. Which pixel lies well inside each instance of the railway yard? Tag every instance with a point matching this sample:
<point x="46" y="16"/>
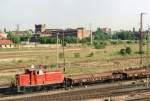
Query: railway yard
<point x="106" y="76"/>
<point x="75" y="50"/>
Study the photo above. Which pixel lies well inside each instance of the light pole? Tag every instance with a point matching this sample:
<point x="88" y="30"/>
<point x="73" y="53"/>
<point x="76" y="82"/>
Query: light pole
<point x="148" y="43"/>
<point x="91" y="35"/>
<point x="64" y="52"/>
<point x="57" y="50"/>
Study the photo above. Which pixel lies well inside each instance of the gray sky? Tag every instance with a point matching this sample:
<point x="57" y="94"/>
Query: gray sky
<point x="116" y="14"/>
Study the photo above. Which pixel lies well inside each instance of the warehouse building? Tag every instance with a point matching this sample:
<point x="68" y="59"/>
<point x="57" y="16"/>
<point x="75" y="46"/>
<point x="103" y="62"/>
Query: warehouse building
<point x="6" y="44"/>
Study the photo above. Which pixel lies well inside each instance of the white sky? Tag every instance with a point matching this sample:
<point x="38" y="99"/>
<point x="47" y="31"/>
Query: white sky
<point x="116" y="14"/>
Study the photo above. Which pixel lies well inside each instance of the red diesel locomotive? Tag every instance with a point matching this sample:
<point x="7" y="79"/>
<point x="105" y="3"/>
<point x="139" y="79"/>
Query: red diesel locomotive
<point x="38" y="78"/>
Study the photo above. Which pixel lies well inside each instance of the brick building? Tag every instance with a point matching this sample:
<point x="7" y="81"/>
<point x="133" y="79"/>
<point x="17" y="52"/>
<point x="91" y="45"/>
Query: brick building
<point x="106" y="30"/>
<point x="79" y="32"/>
<point x="82" y="33"/>
<point x="6" y="44"/>
<point x="51" y="32"/>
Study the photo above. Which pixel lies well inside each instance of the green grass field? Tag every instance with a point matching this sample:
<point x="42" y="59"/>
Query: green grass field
<point x="13" y="61"/>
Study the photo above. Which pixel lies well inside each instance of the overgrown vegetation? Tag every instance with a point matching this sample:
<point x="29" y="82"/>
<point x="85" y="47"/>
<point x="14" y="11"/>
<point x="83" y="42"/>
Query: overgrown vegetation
<point x="122" y="51"/>
<point x="128" y="50"/>
<point x="100" y="39"/>
<point x="125" y="35"/>
<point x="99" y="44"/>
<point x="91" y="54"/>
<point x="76" y="55"/>
<point x="15" y="39"/>
<point x="47" y="40"/>
<point x="61" y="55"/>
<point x="125" y="51"/>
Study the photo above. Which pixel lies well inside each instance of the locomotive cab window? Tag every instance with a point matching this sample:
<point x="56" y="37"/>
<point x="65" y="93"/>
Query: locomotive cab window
<point x="39" y="72"/>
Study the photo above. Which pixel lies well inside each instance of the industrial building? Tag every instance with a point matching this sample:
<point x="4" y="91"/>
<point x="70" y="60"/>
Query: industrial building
<point x="80" y="33"/>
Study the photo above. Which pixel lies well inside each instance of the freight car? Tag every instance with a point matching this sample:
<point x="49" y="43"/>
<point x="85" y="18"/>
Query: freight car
<point x="88" y="78"/>
<point x="130" y="73"/>
<point x="137" y="73"/>
<point x="85" y="79"/>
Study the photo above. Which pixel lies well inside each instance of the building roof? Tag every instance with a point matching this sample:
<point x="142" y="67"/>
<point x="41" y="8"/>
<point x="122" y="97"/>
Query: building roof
<point x="53" y="30"/>
<point x="5" y="42"/>
<point x="3" y="35"/>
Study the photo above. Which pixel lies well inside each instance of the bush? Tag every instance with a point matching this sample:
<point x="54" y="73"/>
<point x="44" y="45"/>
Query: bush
<point x="91" y="54"/>
<point x="129" y="41"/>
<point x="135" y="41"/>
<point x="122" y="51"/>
<point x="113" y="42"/>
<point x="20" y="61"/>
<point x="61" y="55"/>
<point x="141" y="52"/>
<point x="76" y="55"/>
<point x="99" y="44"/>
<point x="125" y="51"/>
<point x="128" y="50"/>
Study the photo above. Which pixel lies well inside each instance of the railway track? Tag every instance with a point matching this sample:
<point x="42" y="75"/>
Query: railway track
<point x="82" y="93"/>
<point x="141" y="98"/>
<point x="96" y="93"/>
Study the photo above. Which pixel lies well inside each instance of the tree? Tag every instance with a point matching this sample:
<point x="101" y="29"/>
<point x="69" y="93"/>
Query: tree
<point x="48" y="40"/>
<point x="100" y="38"/>
<point x="15" y="39"/>
<point x="9" y="34"/>
<point x="70" y="39"/>
<point x="52" y="40"/>
<point x="85" y="40"/>
<point x="29" y="34"/>
<point x="124" y="35"/>
<point x="43" y="40"/>
<point x="99" y="35"/>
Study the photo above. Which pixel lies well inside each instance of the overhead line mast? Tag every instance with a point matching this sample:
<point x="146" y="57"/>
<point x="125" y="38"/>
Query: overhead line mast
<point x="141" y="37"/>
<point x="91" y="34"/>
